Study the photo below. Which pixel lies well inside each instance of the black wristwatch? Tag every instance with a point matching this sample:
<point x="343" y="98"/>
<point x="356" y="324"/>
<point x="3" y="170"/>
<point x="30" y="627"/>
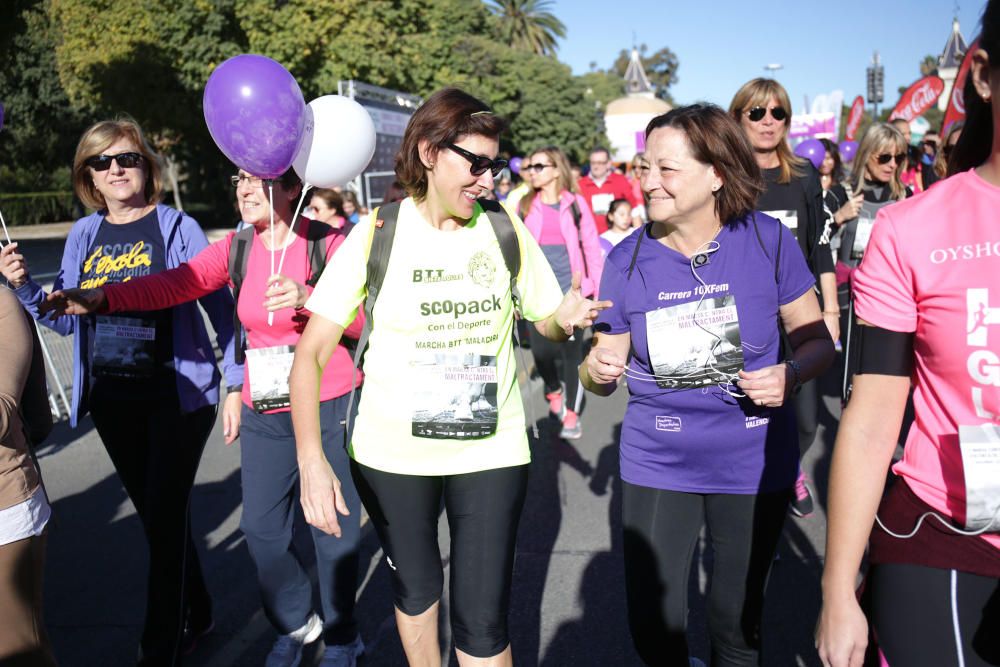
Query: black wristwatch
<point x="796" y="368"/>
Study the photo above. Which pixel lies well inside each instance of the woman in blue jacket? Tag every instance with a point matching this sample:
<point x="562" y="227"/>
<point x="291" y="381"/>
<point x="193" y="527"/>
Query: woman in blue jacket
<point x="149" y="380"/>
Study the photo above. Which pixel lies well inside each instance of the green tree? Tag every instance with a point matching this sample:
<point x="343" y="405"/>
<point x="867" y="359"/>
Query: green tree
<point x="928" y="66"/>
<point x="528" y="25"/>
<point x="661" y="68"/>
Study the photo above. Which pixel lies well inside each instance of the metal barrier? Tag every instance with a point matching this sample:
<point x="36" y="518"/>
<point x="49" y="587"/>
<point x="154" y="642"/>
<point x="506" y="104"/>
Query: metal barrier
<point x="58" y="353"/>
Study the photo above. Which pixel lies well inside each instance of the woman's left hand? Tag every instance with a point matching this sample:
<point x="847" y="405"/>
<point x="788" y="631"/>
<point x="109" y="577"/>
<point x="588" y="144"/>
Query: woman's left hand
<point x="231" y="408"/>
<point x="575" y="311"/>
<point x="284" y="292"/>
<point x="766" y="386"/>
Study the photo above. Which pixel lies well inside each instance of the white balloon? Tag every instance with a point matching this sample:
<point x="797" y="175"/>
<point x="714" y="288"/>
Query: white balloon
<point x="337" y="144"/>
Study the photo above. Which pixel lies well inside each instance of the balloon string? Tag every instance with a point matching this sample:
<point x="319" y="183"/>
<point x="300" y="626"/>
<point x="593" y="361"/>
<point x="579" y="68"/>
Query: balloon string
<point x="5" y="232"/>
<point x="270" y="201"/>
<point x="291" y="229"/>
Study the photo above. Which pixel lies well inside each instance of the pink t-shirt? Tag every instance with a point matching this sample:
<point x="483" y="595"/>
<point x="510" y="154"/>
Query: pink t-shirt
<point x="551" y="233"/>
<point x="932" y="267"/>
<point x="209" y="270"/>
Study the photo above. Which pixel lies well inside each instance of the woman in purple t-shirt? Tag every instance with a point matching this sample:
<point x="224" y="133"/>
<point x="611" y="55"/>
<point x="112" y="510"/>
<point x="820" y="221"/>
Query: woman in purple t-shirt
<point x="699" y="296"/>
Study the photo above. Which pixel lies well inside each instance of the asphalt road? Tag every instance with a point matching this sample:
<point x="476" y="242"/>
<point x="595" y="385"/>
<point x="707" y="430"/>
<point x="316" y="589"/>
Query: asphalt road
<point x="567" y="605"/>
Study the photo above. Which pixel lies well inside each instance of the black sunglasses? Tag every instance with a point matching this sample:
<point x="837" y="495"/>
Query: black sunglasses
<point x="757" y="114"/>
<point x="103" y="162"/>
<point x="538" y="167"/>
<point x="884" y="158"/>
<point x="480" y="164"/>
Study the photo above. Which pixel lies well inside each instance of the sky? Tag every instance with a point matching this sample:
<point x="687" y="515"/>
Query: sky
<point x="721" y="44"/>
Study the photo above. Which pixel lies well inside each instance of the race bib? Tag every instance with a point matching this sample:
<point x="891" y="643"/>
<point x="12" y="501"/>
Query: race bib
<point x="695" y="345"/>
<point x="789" y="219"/>
<point x="124" y="347"/>
<point x="600" y="203"/>
<point x="862" y="235"/>
<point x="269" y="370"/>
<point x="455" y="396"/>
<point x="981" y="461"/>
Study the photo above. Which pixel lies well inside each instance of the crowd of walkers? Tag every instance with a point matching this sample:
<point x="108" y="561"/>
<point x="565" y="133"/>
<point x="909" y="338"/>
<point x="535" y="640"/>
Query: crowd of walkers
<point x="718" y="280"/>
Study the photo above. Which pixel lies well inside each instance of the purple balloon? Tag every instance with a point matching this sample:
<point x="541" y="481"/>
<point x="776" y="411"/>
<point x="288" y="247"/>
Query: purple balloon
<point x="812" y="150"/>
<point x="848" y="149"/>
<point x="515" y="165"/>
<point x="255" y="113"/>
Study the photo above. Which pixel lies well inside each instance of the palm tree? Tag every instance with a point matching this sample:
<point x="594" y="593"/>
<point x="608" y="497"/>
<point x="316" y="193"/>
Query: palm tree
<point x="528" y="25"/>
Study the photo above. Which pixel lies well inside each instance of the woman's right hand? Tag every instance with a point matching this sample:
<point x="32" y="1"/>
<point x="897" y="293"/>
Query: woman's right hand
<point x="13" y="265"/>
<point x="604" y="365"/>
<point x="321" y="495"/>
<point x="850" y="209"/>
<point x="73" y="302"/>
<point x="842" y="633"/>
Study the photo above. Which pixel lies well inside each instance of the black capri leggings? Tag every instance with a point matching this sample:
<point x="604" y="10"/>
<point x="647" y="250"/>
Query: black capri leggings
<point x="661" y="531"/>
<point x="924" y="616"/>
<point x="483" y="509"/>
<point x="570" y="353"/>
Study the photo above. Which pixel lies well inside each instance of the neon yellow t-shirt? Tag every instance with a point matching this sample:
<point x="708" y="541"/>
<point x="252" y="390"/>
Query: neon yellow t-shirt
<point x="440" y="394"/>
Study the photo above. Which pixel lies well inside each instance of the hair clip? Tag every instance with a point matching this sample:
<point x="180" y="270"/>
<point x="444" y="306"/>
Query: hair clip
<point x="481" y="113"/>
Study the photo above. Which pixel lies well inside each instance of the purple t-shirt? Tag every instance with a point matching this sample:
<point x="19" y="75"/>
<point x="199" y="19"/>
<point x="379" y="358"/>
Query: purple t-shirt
<point x="681" y="431"/>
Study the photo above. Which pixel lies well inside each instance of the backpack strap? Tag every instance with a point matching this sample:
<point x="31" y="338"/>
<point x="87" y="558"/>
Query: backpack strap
<point x="574" y="209"/>
<point x="239" y="256"/>
<point x="317" y="245"/>
<point x="785" y="341"/>
<point x="635" y="251"/>
<point x="380" y="238"/>
<point x="510" y="248"/>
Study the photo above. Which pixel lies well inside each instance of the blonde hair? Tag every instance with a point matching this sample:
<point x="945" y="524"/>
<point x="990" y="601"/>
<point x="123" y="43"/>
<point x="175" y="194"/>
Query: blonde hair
<point x="876" y="138"/>
<point x="757" y="93"/>
<point x="564" y="177"/>
<point x="95" y="140"/>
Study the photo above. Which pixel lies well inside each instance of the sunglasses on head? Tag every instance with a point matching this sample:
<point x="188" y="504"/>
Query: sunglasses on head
<point x="479" y="164"/>
<point x="538" y="167"/>
<point x="884" y="158"/>
<point x="103" y="162"/>
<point x="757" y="114"/>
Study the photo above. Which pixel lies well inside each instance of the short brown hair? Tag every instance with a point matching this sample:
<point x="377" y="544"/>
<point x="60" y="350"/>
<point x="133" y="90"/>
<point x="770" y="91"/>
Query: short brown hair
<point x="717" y="139"/>
<point x="95" y="140"/>
<point x="444" y="118"/>
<point x="757" y="92"/>
<point x="331" y="198"/>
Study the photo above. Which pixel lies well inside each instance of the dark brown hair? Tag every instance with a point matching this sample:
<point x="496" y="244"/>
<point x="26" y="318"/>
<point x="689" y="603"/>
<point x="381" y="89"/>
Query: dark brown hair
<point x="446" y="117"/>
<point x="716" y="138"/>
<point x="333" y="200"/>
<point x="976" y="143"/>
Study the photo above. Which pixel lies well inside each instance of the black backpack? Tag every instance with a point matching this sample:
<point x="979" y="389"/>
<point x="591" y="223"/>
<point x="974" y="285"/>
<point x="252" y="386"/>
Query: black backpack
<point x="317" y="234"/>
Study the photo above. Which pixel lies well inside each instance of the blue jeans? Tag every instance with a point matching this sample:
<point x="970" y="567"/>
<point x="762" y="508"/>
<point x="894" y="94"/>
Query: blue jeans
<point x="270" y="476"/>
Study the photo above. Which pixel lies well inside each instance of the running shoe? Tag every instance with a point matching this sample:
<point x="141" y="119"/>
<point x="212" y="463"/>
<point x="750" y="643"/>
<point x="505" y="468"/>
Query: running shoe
<point x="556" y="404"/>
<point x="287" y="650"/>
<point x="802" y="500"/>
<point x="343" y="655"/>
<point x="571" y="429"/>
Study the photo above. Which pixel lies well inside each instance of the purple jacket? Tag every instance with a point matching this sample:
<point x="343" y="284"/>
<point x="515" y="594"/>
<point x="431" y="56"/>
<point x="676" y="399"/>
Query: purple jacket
<point x="194" y="360"/>
<point x="573" y="235"/>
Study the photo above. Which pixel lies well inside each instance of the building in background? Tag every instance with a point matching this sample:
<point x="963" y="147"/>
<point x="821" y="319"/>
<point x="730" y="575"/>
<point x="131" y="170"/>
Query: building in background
<point x="950" y="61"/>
<point x="625" y="118"/>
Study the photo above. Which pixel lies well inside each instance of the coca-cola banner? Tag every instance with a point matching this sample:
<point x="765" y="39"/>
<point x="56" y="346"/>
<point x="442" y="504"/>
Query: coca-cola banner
<point x="956" y="104"/>
<point x="854" y="118"/>
<point x="918" y="98"/>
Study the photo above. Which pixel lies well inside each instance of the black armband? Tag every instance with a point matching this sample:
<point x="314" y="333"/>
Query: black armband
<point x="884" y="352"/>
<point x="232" y="389"/>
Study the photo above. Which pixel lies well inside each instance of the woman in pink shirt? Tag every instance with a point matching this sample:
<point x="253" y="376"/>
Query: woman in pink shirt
<point x="562" y="223"/>
<point x="927" y="297"/>
<point x="275" y="268"/>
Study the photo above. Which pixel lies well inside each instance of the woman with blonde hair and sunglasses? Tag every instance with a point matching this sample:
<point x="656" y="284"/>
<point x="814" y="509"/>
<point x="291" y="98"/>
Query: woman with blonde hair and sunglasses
<point x="144" y="377"/>
<point x="878" y="169"/>
<point x="562" y="223"/>
<point x="794" y="195"/>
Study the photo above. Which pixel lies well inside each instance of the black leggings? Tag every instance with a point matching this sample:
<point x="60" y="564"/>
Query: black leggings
<point x="570" y="353"/>
<point x="917" y="612"/>
<point x="661" y="532"/>
<point x="156" y="449"/>
<point x="806" y="404"/>
<point x="483" y="509"/>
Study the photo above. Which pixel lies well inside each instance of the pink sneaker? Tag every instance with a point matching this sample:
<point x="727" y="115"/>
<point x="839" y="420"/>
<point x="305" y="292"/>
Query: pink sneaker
<point x="571" y="429"/>
<point x="556" y="404"/>
<point x="802" y="501"/>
